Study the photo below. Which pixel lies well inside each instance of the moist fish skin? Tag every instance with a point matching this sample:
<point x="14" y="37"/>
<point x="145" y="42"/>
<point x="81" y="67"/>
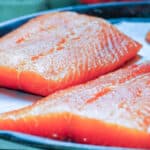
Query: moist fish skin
<point x="59" y="50"/>
<point x="112" y="110"/>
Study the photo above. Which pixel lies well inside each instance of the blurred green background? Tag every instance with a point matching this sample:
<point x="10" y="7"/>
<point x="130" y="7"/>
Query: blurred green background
<point x="15" y="8"/>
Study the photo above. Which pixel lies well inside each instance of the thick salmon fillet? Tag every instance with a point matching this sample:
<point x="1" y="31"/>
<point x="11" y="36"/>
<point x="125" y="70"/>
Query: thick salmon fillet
<point x="112" y="110"/>
<point x="55" y="51"/>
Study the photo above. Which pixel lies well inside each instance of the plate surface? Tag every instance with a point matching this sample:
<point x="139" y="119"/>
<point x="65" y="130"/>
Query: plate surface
<point x="131" y="18"/>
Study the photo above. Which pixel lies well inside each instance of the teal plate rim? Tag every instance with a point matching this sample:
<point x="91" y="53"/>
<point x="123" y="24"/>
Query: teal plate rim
<point x="45" y="143"/>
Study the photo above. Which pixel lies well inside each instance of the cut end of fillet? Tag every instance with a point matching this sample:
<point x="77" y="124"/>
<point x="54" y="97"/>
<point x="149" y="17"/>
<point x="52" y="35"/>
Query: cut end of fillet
<point x="52" y="126"/>
<point x="92" y="131"/>
<point x="34" y="83"/>
<point x="8" y="77"/>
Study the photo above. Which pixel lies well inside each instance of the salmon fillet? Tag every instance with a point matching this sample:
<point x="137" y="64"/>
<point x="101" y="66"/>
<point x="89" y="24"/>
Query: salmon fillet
<point x="112" y="110"/>
<point x="58" y="50"/>
<point x="148" y="37"/>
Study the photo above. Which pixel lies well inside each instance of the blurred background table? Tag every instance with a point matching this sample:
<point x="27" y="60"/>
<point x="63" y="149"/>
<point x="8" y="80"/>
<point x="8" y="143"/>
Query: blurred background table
<point x="14" y="8"/>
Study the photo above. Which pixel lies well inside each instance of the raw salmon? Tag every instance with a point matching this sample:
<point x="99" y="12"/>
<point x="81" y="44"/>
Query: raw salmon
<point x="112" y="110"/>
<point x="148" y="37"/>
<point x="39" y="24"/>
<point x="55" y="51"/>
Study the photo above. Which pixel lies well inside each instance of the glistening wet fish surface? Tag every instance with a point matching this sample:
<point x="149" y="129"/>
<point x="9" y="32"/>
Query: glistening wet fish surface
<point x="111" y="110"/>
<point x="59" y="50"/>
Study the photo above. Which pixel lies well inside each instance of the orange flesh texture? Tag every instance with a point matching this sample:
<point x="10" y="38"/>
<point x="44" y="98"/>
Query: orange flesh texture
<point x="117" y="115"/>
<point x="38" y="25"/>
<point x="60" y="50"/>
<point x="148" y="37"/>
<point x="123" y="122"/>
